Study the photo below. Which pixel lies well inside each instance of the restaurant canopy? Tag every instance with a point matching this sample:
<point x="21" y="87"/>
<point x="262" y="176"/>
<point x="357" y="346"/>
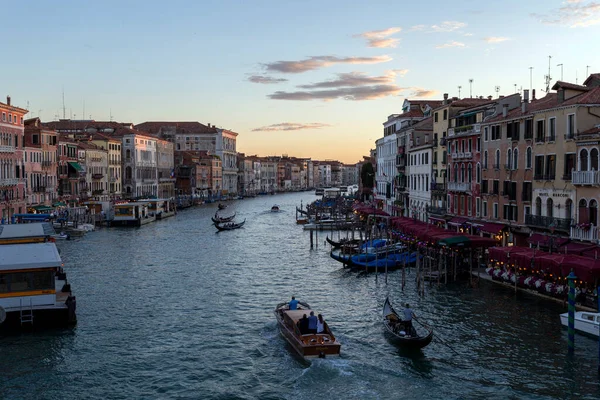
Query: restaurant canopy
<point x="434" y="235"/>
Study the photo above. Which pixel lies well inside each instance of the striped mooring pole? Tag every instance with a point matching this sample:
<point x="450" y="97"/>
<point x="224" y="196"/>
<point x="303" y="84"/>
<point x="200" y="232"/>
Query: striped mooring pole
<point x="598" y="296"/>
<point x="571" y="326"/>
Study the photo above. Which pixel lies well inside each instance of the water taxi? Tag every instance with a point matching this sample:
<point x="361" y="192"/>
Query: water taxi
<point x="34" y="291"/>
<point x="585" y="322"/>
<point x="308" y="345"/>
<point x="275" y="208"/>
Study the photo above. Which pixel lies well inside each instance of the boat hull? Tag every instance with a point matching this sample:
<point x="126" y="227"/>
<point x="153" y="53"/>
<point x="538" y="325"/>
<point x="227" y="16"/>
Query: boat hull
<point x="587" y="323"/>
<point x="43" y="318"/>
<point x="410" y="342"/>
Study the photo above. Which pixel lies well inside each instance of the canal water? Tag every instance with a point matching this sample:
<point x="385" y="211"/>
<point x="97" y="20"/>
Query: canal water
<point x="174" y="310"/>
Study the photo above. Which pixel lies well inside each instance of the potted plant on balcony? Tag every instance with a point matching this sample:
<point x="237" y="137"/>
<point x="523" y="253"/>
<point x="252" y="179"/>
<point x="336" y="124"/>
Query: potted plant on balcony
<point x="584" y="226"/>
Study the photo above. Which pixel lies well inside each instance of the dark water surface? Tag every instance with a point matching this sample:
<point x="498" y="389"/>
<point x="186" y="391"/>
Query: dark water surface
<point x="174" y="310"/>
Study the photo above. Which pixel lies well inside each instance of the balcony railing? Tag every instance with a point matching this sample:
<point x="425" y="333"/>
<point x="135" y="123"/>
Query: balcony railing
<point x="438" y="186"/>
<point x="9" y="181"/>
<point x="7" y="149"/>
<point x="436" y="210"/>
<point x="585" y="234"/>
<point x="586" y="177"/>
<point x="459" y="186"/>
<point x="464" y="130"/>
<point x="540" y="221"/>
<point x="97" y="176"/>
<point x="462" y="155"/>
<point x="164" y="180"/>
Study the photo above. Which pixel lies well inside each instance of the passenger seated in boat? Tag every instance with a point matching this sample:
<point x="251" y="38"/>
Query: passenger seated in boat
<point x="303" y="325"/>
<point x="312" y="323"/>
<point x="320" y="324"/>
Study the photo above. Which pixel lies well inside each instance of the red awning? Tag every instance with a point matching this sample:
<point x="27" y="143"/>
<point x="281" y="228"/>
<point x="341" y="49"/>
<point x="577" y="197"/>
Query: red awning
<point x="492" y="228"/>
<point x="544" y="240"/>
<point x="437" y="219"/>
<point x="577" y="248"/>
<point x="457" y="221"/>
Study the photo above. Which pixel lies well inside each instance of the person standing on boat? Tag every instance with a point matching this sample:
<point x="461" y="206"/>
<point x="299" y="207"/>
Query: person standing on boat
<point x="312" y="323"/>
<point x="293" y="304"/>
<point x="303" y="325"/>
<point x="408" y="316"/>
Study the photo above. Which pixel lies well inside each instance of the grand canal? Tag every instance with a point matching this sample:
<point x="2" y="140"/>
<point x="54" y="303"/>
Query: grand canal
<point x="176" y="310"/>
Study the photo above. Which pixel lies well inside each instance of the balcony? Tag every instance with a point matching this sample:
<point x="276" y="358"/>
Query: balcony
<point x="164" y="180"/>
<point x="46" y="163"/>
<point x="7" y="149"/>
<point x="39" y="189"/>
<point x="97" y="176"/>
<point x="459" y="186"/>
<point x="586" y="178"/>
<point x="49" y="189"/>
<point x="464" y="130"/>
<point x="463" y="155"/>
<point x="540" y="139"/>
<point x="9" y="182"/>
<point x="436" y="210"/>
<point x="589" y="234"/>
<point x="440" y="187"/>
<point x="539" y="221"/>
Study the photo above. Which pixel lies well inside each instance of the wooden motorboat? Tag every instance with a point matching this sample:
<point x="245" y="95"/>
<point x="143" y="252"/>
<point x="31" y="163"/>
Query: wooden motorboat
<point x="421" y="334"/>
<point x="310" y="345"/>
<point x="585" y="322"/>
<point x="217" y="219"/>
<point x="229" y="226"/>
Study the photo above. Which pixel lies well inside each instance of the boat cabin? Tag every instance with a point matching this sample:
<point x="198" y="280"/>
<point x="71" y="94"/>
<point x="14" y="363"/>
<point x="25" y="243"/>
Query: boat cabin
<point x="160" y="208"/>
<point x="132" y="214"/>
<point x="26" y="233"/>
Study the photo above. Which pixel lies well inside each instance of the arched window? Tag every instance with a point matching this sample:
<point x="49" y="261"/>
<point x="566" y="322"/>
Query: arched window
<point x="516" y="159"/>
<point x="594" y="212"/>
<point x="549" y="207"/>
<point x="569" y="209"/>
<point x="583" y="212"/>
<point x="128" y="154"/>
<point x="497" y="159"/>
<point x="478" y="173"/>
<point x="509" y="158"/>
<point x="538" y="206"/>
<point x="462" y="172"/>
<point x="455" y="172"/>
<point x="469" y="173"/>
<point x="485" y="159"/>
<point x="528" y="158"/>
<point x="128" y="174"/>
<point x="594" y="159"/>
<point x="583" y="160"/>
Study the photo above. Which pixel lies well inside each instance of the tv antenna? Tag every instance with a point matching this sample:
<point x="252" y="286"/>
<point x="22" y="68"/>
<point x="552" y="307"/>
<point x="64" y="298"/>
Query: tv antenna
<point x="497" y="89"/>
<point x="459" y="87"/>
<point x="471" y="88"/>
<point x="515" y="88"/>
<point x="64" y="109"/>
<point x="561" y="70"/>
<point x="530" y="79"/>
<point x="548" y="78"/>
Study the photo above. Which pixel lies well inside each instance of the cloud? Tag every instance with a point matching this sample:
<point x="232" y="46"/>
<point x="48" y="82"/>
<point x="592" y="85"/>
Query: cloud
<point x="468" y="34"/>
<point x="450" y="44"/>
<point x="380" y="38"/>
<point x="348" y="93"/>
<point x="265" y="79"/>
<point x="448" y="26"/>
<point x="418" y="28"/>
<point x="316" y="62"/>
<point x="355" y="79"/>
<point x="423" y="93"/>
<point x="573" y="13"/>
<point x="290" y="126"/>
<point x="495" y="39"/>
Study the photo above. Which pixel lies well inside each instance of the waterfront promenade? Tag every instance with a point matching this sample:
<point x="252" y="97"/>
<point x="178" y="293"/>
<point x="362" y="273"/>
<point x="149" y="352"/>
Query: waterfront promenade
<point x="175" y="310"/>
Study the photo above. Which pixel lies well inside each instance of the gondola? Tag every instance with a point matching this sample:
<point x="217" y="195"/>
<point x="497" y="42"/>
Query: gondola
<point x="229" y="226"/>
<point x="421" y="335"/>
<point x="217" y="220"/>
<point x="342" y="242"/>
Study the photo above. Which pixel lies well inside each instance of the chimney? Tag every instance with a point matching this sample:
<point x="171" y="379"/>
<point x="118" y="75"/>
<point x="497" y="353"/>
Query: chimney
<point x="489" y="97"/>
<point x="208" y="124"/>
<point x="445" y="98"/>
<point x="526" y="96"/>
<point x="533" y="95"/>
<point x="504" y="110"/>
<point x="8" y="100"/>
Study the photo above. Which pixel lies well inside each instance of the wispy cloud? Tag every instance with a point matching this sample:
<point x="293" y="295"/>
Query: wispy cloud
<point x="316" y="62"/>
<point x="450" y="44"/>
<point x="418" y="28"/>
<point x="423" y="93"/>
<point x="448" y="26"/>
<point x="351" y="93"/>
<point x="354" y="79"/>
<point x="380" y="38"/>
<point x="573" y="13"/>
<point x="290" y="126"/>
<point x="265" y="79"/>
<point x="495" y="39"/>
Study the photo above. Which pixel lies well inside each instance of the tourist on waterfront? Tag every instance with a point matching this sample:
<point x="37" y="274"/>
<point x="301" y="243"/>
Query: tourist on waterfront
<point x="293" y="304"/>
<point x="320" y="324"/>
<point x="312" y="323"/>
<point x="303" y="325"/>
<point x="408" y="316"/>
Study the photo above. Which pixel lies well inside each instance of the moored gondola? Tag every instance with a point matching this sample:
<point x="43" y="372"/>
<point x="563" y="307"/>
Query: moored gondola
<point x="415" y="337"/>
<point x="342" y="242"/>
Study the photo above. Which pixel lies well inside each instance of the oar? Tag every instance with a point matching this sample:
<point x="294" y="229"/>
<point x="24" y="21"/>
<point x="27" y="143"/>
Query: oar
<point x="438" y="338"/>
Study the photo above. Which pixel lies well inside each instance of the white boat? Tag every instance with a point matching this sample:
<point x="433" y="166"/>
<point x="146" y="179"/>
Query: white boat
<point x="34" y="291"/>
<point x="585" y="322"/>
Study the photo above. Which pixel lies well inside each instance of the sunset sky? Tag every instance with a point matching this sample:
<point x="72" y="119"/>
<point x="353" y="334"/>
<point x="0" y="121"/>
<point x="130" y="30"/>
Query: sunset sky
<point x="308" y="79"/>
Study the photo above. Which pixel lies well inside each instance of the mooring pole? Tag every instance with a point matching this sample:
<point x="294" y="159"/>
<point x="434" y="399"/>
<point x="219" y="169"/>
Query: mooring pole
<point x="571" y="326"/>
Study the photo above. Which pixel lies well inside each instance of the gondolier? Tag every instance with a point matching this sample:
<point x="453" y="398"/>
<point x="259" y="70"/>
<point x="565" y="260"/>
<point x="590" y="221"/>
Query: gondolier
<point x="408" y="316"/>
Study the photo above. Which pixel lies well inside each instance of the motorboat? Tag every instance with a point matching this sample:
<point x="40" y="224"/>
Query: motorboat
<point x="585" y="322"/>
<point x="275" y="208"/>
<point x="307" y="345"/>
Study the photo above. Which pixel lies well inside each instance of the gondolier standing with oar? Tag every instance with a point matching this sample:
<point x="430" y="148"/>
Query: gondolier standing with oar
<point x="408" y="316"/>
